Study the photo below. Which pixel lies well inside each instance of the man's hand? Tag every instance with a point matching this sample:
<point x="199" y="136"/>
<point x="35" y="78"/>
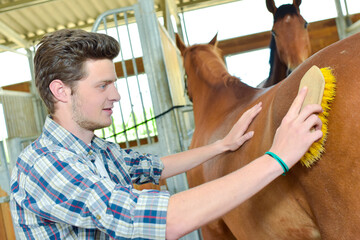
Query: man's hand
<point x="297" y="131"/>
<point x="238" y="135"/>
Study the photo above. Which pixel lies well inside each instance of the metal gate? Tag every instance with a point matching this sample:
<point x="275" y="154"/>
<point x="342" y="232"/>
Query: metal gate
<point x="154" y="114"/>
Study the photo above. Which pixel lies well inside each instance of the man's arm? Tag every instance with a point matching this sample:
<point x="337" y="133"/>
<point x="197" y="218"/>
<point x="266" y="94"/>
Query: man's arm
<point x="191" y="209"/>
<point x="183" y="161"/>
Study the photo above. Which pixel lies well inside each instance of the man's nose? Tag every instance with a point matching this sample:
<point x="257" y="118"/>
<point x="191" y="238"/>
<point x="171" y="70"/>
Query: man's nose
<point x="115" y="96"/>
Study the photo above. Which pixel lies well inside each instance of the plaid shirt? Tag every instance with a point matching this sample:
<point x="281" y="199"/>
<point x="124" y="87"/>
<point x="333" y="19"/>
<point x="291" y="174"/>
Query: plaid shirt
<point x="58" y="193"/>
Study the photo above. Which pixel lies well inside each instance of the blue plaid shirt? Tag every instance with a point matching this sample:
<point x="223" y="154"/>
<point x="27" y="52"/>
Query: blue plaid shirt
<point x="58" y="193"/>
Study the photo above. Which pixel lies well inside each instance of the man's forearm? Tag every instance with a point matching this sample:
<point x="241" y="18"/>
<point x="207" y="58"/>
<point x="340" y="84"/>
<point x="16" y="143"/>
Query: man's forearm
<point x="194" y="208"/>
<point x="184" y="161"/>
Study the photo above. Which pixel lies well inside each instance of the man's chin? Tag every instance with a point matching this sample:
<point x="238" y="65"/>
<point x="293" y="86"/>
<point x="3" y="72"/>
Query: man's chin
<point x="97" y="126"/>
<point x="100" y="126"/>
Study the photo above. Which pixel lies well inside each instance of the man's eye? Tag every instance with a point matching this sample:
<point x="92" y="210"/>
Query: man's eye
<point x="103" y="86"/>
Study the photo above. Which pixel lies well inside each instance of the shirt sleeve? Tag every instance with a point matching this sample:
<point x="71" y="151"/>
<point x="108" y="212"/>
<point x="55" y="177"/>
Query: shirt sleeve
<point x="63" y="188"/>
<point x="143" y="168"/>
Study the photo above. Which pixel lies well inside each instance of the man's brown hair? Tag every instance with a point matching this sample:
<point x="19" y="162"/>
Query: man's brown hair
<point x="62" y="54"/>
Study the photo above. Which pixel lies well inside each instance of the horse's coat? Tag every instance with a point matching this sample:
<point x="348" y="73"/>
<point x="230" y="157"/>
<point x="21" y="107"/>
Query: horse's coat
<point x="320" y="202"/>
<point x="290" y="43"/>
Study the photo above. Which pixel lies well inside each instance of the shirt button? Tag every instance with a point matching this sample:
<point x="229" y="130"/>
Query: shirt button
<point x="90" y="153"/>
<point x="98" y="217"/>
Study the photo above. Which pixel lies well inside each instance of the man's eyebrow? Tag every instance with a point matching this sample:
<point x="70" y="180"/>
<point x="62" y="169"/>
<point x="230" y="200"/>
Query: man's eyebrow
<point x="109" y="81"/>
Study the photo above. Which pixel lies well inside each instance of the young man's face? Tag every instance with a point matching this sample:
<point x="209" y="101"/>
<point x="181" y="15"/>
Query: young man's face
<point x="94" y="95"/>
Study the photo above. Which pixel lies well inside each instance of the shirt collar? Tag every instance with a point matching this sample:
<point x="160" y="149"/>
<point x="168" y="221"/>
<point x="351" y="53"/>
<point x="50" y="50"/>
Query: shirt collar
<point x="61" y="136"/>
<point x="99" y="143"/>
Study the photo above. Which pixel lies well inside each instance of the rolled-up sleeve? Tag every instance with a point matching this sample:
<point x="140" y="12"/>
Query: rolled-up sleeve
<point x="143" y="168"/>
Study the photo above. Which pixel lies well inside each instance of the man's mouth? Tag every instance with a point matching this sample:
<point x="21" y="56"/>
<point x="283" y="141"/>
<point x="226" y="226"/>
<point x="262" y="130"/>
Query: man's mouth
<point x="108" y="110"/>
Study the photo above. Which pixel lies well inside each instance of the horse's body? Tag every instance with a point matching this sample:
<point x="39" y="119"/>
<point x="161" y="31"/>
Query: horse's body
<point x="289" y="44"/>
<point x="308" y="203"/>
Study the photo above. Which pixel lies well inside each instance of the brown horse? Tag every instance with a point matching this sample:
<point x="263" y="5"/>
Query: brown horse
<point x="289" y="44"/>
<point x="321" y="202"/>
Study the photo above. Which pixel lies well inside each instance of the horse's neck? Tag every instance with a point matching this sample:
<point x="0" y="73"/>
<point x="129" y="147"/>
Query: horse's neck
<point x="216" y="102"/>
<point x="278" y="73"/>
<point x="278" y="70"/>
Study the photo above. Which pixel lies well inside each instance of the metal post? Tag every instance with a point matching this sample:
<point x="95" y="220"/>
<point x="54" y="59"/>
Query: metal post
<point x="161" y="95"/>
<point x="39" y="113"/>
<point x="340" y="20"/>
<point x="155" y="69"/>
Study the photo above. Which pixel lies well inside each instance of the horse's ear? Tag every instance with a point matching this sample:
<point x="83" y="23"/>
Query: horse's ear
<point x="271" y="6"/>
<point x="180" y="44"/>
<point x="297" y="3"/>
<point x="214" y="41"/>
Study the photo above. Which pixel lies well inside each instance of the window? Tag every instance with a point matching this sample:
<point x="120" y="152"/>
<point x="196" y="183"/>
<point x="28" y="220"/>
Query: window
<point x="133" y="117"/>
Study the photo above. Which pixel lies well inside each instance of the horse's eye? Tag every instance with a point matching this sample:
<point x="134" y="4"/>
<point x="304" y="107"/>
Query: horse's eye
<point x="305" y="24"/>
<point x="273" y="33"/>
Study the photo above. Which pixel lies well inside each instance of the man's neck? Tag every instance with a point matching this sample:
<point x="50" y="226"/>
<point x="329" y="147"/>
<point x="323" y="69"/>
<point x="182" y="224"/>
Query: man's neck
<point x="85" y="135"/>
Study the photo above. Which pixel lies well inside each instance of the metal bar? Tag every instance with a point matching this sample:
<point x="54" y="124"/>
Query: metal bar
<point x="105" y="26"/>
<point x="5" y="199"/>
<point x="114" y="129"/>
<point x="125" y="77"/>
<point x="347" y="17"/>
<point x="340" y="20"/>
<point x="39" y="111"/>
<point x="103" y="132"/>
<point x="15" y="5"/>
<point x="112" y="120"/>
<point x="131" y="104"/>
<point x="14" y="36"/>
<point x="14" y="93"/>
<point x="109" y="12"/>
<point x="3" y="47"/>
<point x="354" y="27"/>
<point x="137" y="78"/>
<point x="149" y="37"/>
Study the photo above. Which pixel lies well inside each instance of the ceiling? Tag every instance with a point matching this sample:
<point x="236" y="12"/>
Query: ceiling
<point x="23" y="22"/>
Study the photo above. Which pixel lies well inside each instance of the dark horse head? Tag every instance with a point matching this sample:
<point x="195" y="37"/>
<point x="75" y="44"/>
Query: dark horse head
<point x="290" y="43"/>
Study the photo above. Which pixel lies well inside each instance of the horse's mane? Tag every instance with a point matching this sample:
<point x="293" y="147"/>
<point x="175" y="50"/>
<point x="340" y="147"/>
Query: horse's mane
<point x="211" y="65"/>
<point x="272" y="54"/>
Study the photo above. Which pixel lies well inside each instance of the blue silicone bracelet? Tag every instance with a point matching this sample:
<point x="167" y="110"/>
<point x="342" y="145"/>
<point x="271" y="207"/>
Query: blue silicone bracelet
<point x="280" y="161"/>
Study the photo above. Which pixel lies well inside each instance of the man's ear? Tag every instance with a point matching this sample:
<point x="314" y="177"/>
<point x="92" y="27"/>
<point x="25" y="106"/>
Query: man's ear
<point x="60" y="91"/>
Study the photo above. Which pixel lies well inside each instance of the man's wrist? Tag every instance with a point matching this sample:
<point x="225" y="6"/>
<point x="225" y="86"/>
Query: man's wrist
<point x="220" y="146"/>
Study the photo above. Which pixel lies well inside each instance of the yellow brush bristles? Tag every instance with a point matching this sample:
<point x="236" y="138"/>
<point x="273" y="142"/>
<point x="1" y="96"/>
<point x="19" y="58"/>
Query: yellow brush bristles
<point x="317" y="148"/>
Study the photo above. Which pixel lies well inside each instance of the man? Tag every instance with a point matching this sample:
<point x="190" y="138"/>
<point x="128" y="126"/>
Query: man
<point x="70" y="184"/>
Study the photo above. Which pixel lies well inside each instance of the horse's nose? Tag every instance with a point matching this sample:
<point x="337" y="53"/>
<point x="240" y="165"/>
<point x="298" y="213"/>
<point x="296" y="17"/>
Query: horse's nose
<point x="294" y="60"/>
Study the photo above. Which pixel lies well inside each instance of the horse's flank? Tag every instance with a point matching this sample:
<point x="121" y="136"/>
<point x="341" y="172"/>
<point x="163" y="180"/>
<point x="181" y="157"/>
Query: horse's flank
<point x="307" y="203"/>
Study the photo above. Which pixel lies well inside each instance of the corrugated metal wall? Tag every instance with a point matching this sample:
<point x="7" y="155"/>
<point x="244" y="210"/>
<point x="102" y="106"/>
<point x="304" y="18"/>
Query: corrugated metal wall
<point x="19" y="114"/>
